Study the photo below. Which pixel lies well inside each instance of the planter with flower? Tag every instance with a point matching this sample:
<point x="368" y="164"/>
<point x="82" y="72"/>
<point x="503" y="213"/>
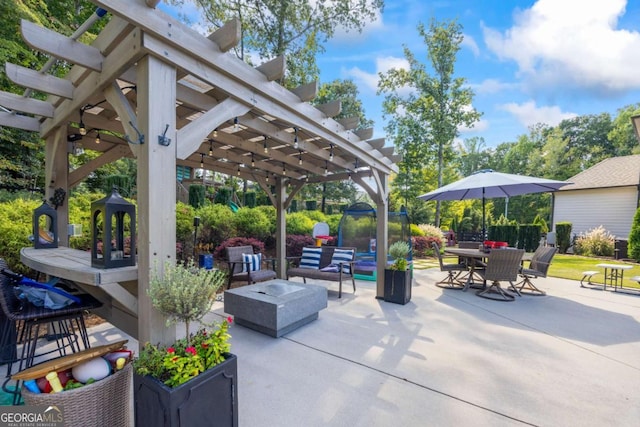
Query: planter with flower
<point x="397" y="278"/>
<point x="193" y="381"/>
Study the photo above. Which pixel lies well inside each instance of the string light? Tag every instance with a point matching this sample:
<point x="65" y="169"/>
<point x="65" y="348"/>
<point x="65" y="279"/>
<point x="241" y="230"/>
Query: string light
<point x="215" y="133"/>
<point x="300" y="158"/>
<point x="331" y="152"/>
<point x="284" y="169"/>
<point x="238" y="169"/>
<point x="267" y="179"/>
<point x="98" y="137"/>
<point x="235" y="125"/>
<point x="210" y="148"/>
<point x="253" y="161"/>
<point x="326" y="167"/>
<point x="295" y="138"/>
<point x="201" y="160"/>
<point x="82" y="129"/>
<point x="264" y="145"/>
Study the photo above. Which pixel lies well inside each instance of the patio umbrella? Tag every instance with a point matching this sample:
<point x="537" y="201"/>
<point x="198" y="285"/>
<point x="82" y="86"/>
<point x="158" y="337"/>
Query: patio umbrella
<point x="488" y="184"/>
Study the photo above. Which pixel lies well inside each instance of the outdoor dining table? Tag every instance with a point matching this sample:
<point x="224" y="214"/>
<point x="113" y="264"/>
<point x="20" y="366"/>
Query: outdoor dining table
<point x="474" y="255"/>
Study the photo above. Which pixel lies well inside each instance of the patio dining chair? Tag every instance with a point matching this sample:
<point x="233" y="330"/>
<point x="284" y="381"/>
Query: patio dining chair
<point x="503" y="265"/>
<point x="454" y="271"/>
<point x="538" y="267"/>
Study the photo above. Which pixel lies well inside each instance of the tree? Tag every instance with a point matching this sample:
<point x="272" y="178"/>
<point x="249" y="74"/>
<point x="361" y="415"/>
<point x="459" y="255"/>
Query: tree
<point x="425" y="121"/>
<point x="21" y="152"/>
<point x="297" y="28"/>
<point x="621" y="135"/>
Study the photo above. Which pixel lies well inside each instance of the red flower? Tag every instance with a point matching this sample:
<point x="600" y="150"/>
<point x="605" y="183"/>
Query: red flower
<point x="191" y="350"/>
<point x="171" y="350"/>
<point x="229" y="319"/>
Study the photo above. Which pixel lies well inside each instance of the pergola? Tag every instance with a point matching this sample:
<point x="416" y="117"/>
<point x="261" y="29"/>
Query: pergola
<point x="156" y="90"/>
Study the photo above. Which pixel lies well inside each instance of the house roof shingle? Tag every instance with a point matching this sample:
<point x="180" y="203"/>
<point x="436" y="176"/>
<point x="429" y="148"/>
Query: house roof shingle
<point x="612" y="172"/>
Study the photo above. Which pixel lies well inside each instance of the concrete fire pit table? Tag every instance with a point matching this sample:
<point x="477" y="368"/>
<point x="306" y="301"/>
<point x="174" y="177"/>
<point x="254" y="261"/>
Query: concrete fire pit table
<point x="275" y="307"/>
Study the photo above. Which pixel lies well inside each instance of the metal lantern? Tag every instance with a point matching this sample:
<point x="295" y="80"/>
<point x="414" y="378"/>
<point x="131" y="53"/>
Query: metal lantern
<point x="113" y="244"/>
<point x="45" y="227"/>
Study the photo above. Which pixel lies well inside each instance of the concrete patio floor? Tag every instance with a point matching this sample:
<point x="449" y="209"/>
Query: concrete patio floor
<point x="447" y="358"/>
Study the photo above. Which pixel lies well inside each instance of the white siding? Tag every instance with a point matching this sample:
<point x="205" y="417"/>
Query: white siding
<point x="613" y="208"/>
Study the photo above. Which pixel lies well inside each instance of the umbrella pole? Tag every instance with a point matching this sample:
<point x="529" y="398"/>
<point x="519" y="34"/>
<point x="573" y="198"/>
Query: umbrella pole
<point x="484" y="231"/>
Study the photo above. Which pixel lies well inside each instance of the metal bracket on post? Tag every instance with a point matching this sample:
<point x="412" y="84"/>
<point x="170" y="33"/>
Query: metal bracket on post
<point x="140" y="140"/>
<point x="162" y="139"/>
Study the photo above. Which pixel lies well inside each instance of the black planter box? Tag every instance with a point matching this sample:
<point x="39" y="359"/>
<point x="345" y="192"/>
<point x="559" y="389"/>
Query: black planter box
<point x="210" y="399"/>
<point x="397" y="286"/>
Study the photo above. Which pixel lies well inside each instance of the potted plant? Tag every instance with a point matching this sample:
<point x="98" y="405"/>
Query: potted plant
<point x="397" y="278"/>
<point x="194" y="380"/>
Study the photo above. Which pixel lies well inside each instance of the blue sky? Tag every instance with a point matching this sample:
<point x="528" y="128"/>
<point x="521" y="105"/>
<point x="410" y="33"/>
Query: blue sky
<point x="527" y="61"/>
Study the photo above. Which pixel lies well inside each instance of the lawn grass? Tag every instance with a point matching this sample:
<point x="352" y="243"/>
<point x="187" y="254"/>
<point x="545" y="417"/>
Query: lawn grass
<point x="572" y="266"/>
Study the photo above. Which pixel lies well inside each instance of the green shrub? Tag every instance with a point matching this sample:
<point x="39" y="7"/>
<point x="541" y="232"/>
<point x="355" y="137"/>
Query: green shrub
<point x="196" y="195"/>
<point x="250" y="199"/>
<point x="538" y="220"/>
<point x="528" y="237"/>
<point x="251" y="223"/>
<point x="563" y="236"/>
<point x="223" y="196"/>
<point x="270" y="213"/>
<point x="315" y="216"/>
<point x="595" y="242"/>
<point x="334" y="223"/>
<point x="216" y="225"/>
<point x="299" y="223"/>
<point x="15" y="229"/>
<point x="416" y="230"/>
<point x="121" y="182"/>
<point x="634" y="237"/>
<point x="504" y="233"/>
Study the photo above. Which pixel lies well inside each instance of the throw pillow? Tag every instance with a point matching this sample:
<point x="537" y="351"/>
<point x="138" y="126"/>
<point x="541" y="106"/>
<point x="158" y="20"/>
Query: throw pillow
<point x="251" y="262"/>
<point x="310" y="258"/>
<point x="345" y="256"/>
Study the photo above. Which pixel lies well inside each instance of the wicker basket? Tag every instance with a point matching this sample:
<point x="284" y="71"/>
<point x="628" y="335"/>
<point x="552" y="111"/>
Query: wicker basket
<point x="104" y="403"/>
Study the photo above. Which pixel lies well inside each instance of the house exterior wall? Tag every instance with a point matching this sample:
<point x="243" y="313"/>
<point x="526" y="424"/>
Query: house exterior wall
<point x="613" y="208"/>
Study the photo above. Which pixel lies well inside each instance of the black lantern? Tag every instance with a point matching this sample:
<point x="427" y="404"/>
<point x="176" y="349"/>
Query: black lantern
<point x="45" y="227"/>
<point x="113" y="236"/>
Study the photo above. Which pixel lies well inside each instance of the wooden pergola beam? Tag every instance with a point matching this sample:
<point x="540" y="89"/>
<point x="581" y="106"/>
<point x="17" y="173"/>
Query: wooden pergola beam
<point x="59" y="46"/>
<point x="26" y="105"/>
<point x="37" y="81"/>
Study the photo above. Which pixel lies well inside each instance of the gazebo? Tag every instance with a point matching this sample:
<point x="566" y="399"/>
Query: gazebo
<point x="156" y="90"/>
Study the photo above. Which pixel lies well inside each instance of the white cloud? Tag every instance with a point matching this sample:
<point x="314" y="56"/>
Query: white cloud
<point x="528" y="114"/>
<point x="470" y="43"/>
<point x="479" y="126"/>
<point x="571" y="44"/>
<point x="383" y="64"/>
<point x="489" y="86"/>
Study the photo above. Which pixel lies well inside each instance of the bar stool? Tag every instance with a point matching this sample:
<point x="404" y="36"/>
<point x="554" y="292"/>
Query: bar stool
<point x="22" y="324"/>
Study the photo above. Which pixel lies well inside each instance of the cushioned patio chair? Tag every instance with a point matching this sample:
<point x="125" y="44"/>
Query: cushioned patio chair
<point x="538" y="267"/>
<point x="245" y="266"/>
<point x="503" y="265"/>
<point x="454" y="271"/>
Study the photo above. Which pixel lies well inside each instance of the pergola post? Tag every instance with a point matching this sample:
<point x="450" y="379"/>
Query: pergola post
<point x="281" y="228"/>
<point x="382" y="224"/>
<point x="156" y="188"/>
<point x="56" y="176"/>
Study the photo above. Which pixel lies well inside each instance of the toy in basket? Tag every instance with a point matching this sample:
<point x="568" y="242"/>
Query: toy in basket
<point x="104" y="397"/>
